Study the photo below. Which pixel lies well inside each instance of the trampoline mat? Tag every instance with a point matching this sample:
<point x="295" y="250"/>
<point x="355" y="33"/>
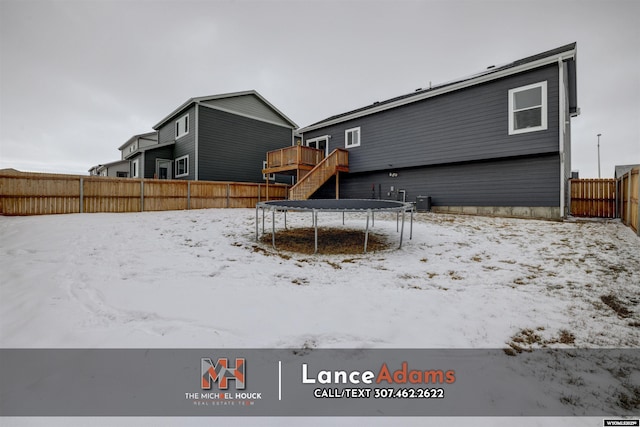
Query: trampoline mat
<point x="340" y="205"/>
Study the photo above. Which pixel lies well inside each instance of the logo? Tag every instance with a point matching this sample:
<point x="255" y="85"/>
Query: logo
<point x="221" y="373"/>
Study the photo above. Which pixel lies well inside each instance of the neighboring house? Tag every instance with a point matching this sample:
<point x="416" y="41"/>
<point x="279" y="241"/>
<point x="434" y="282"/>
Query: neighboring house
<point x="497" y="142"/>
<point x="117" y="169"/>
<point x="212" y="138"/>
<point x="145" y="156"/>
<point x="216" y="138"/>
<point x="621" y="170"/>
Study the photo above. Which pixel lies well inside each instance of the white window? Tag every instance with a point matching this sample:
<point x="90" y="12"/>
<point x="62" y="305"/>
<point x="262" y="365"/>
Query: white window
<point x="272" y="176"/>
<point x="135" y="167"/>
<point x="352" y="137"/>
<point x="182" y="126"/>
<point x="182" y="166"/>
<point x="528" y="108"/>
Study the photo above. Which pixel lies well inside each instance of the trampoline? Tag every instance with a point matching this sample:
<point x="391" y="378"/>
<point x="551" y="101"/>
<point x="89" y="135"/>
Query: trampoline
<point x="315" y="206"/>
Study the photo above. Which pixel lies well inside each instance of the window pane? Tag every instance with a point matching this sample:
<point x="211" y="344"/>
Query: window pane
<point x="528" y="118"/>
<point x="528" y="98"/>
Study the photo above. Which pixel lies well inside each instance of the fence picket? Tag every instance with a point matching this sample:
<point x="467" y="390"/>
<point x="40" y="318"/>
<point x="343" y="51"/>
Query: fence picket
<point x="593" y="198"/>
<point x="38" y="194"/>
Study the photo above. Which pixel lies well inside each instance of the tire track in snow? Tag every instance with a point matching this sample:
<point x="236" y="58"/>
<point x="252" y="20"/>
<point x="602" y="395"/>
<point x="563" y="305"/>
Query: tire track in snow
<point x="101" y="313"/>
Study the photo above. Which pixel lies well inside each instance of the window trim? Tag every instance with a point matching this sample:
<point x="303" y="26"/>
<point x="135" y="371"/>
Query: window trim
<point x="543" y="108"/>
<point x="346" y="137"/>
<point x="178" y="124"/>
<point x="135" y="168"/>
<point x="272" y="176"/>
<point x="186" y="164"/>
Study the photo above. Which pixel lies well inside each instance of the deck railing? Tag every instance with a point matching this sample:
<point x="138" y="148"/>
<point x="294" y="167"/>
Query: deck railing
<point x="337" y="161"/>
<point x="294" y="156"/>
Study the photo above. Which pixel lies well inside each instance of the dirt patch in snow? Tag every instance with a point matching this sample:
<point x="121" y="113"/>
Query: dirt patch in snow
<point x="331" y="241"/>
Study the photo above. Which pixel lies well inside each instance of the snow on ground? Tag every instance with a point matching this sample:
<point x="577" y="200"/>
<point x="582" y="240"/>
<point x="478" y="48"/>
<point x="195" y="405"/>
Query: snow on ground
<point x="157" y="280"/>
<point x="198" y="279"/>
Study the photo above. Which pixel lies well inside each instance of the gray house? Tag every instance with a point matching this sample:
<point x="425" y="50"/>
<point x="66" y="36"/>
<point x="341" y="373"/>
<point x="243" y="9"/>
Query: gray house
<point x="215" y="138"/>
<point x="133" y="152"/>
<point x="117" y="169"/>
<point x="497" y="142"/>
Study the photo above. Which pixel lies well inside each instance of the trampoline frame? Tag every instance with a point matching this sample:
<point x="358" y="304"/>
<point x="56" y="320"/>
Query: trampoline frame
<point x="368" y="206"/>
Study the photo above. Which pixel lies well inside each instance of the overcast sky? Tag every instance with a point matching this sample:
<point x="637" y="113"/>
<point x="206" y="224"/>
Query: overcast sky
<point x="79" y="78"/>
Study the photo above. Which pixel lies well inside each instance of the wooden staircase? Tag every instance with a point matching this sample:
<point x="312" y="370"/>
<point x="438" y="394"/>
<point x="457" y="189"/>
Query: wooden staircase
<point x="333" y="164"/>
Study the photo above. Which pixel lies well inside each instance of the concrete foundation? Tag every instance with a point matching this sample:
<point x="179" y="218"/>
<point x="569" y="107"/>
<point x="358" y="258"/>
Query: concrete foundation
<point x="535" y="212"/>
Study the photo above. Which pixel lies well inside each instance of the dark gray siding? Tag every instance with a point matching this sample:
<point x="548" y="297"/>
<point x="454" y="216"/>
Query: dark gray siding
<point x="524" y="181"/>
<point x="184" y="145"/>
<point x="467" y="125"/>
<point x="150" y="157"/>
<point x="232" y="147"/>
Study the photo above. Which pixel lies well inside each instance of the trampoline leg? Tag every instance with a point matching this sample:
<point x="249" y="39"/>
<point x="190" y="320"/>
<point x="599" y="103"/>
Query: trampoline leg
<point x="343" y="218"/>
<point x="285" y="220"/>
<point x="373" y="219"/>
<point x="411" y="227"/>
<point x="401" y="231"/>
<point x="397" y="221"/>
<point x="262" y="221"/>
<point x="257" y="223"/>
<point x="315" y="234"/>
<point x="273" y="229"/>
<point x="366" y="233"/>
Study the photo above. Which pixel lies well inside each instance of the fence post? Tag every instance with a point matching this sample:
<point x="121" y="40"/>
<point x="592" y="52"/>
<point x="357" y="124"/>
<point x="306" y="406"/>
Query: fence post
<point x="259" y="192"/>
<point x="637" y="201"/>
<point x="228" y="194"/>
<point x="81" y="210"/>
<point x="188" y="195"/>
<point x="141" y="195"/>
<point x="629" y="199"/>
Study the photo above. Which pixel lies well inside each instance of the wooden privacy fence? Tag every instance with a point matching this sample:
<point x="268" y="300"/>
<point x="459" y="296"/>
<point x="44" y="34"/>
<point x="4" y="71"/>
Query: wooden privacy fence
<point x="629" y="194"/>
<point x="39" y="194"/>
<point x="593" y="197"/>
<point x="608" y="198"/>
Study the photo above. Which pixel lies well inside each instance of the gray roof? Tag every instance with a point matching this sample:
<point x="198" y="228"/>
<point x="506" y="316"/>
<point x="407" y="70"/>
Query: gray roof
<point x="564" y="52"/>
<point x="147" y="135"/>
<point x="224" y="95"/>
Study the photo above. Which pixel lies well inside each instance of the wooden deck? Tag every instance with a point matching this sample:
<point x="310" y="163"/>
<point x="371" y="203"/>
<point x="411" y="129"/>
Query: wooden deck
<point x="310" y="167"/>
<point x="295" y="160"/>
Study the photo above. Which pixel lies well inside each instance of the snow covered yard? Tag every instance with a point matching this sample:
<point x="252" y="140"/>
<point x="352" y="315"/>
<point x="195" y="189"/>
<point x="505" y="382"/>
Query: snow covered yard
<point x="199" y="279"/>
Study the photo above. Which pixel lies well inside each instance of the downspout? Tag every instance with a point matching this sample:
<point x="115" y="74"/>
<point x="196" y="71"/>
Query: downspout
<point x="197" y="141"/>
<point x="561" y="128"/>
